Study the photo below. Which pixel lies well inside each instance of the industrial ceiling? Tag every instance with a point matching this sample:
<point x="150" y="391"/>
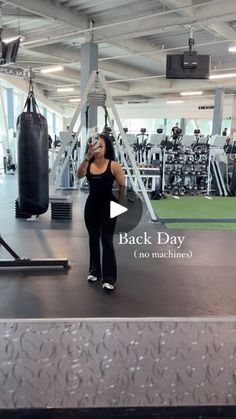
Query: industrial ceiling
<point x="133" y="36"/>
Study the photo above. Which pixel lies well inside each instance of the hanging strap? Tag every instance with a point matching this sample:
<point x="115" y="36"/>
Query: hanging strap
<point x="105" y="117"/>
<point x="30" y="103"/>
<point x="31" y="86"/>
<point x="87" y="119"/>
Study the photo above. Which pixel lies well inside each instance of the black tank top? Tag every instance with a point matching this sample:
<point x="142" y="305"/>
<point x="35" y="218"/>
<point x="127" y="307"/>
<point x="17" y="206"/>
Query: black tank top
<point x="100" y="185"/>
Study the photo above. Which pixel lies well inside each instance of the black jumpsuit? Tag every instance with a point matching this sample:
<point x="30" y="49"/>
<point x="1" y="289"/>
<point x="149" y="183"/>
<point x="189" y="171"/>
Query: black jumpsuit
<point x="100" y="225"/>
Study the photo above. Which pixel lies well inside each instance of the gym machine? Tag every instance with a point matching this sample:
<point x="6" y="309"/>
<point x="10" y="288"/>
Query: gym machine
<point x="195" y="165"/>
<point x="66" y="175"/>
<point x="9" y="164"/>
<point x="218" y="165"/>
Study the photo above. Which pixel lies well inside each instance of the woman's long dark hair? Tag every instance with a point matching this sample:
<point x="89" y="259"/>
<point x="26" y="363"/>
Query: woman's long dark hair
<point x="109" y="153"/>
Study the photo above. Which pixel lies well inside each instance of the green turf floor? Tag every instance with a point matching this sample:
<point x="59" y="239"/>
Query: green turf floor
<point x="198" y="208"/>
<point x="201" y="226"/>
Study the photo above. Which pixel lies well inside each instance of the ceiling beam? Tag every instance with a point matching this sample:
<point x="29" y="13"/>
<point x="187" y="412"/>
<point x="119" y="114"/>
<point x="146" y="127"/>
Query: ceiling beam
<point x="51" y="11"/>
<point x="177" y="86"/>
<point x="58" y="95"/>
<point x="150" y="25"/>
<point x="68" y="54"/>
<point x="71" y="75"/>
<point x="95" y="7"/>
<point x="125" y="71"/>
<point x="171" y="4"/>
<point x="119" y="86"/>
<point x="115" y="68"/>
<point x="222" y="29"/>
<point x="22" y="18"/>
<point x="51" y="85"/>
<point x="166" y="23"/>
<point x="36" y="62"/>
<point x="140" y="46"/>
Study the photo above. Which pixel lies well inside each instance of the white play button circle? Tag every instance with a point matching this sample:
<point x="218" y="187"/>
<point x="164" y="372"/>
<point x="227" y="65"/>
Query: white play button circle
<point x="127" y="216"/>
<point x="116" y="209"/>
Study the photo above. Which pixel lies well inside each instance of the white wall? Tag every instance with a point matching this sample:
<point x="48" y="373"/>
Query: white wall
<point x="188" y="109"/>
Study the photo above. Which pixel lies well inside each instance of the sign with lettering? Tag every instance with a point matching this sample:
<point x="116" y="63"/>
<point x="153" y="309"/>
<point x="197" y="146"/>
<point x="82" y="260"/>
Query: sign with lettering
<point x="17" y="71"/>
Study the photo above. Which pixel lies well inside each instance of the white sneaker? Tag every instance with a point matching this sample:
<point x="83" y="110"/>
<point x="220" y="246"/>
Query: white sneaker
<point x="92" y="278"/>
<point x="108" y="286"/>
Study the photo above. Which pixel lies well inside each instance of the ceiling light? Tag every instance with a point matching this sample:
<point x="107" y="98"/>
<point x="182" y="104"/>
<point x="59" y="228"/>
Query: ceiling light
<point x="191" y="93"/>
<point x="174" y="101"/>
<point x="232" y="49"/>
<point x="13" y="38"/>
<point x="52" y="69"/>
<point x="35" y="41"/>
<point x="74" y="100"/>
<point x="222" y="76"/>
<point x="65" y="89"/>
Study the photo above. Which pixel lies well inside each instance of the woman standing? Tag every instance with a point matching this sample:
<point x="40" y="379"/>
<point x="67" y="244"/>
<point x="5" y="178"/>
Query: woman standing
<point x="101" y="170"/>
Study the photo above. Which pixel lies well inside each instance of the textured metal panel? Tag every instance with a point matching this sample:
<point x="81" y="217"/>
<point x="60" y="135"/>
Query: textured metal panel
<point x="117" y="363"/>
<point x="27" y="365"/>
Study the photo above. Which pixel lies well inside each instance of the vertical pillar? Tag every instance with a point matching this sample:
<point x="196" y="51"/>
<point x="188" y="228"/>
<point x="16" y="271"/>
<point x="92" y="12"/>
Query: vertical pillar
<point x="66" y="123"/>
<point x="54" y="123"/>
<point x="10" y="109"/>
<point x="183" y="125"/>
<point x="165" y="126"/>
<point x="89" y="63"/>
<point x="4" y="137"/>
<point x="218" y="111"/>
<point x="233" y="119"/>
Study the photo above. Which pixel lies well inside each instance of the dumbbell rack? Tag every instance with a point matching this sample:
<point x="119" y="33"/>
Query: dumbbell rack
<point x="185" y="172"/>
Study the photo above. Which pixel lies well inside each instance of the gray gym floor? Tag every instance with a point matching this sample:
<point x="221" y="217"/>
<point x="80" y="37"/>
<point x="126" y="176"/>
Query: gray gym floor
<point x="204" y="285"/>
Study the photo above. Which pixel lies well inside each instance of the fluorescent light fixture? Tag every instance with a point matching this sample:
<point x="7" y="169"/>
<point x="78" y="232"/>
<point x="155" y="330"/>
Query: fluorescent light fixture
<point x="65" y="89"/>
<point x="174" y="101"/>
<point x="191" y="93"/>
<point x="35" y="41"/>
<point x="222" y="76"/>
<point x="232" y="49"/>
<point x="74" y="100"/>
<point x="13" y="38"/>
<point x="52" y="69"/>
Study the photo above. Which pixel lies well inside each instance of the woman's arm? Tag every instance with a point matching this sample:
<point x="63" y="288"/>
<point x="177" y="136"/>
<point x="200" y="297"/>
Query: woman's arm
<point x="120" y="179"/>
<point x="82" y="169"/>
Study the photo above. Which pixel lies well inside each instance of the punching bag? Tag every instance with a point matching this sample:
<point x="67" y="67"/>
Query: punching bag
<point x="33" y="177"/>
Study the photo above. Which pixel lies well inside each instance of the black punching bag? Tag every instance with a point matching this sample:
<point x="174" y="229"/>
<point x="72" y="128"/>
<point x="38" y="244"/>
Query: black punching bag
<point x="33" y="177"/>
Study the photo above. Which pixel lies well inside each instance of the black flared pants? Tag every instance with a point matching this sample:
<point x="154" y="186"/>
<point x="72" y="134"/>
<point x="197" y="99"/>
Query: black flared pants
<point x="101" y="230"/>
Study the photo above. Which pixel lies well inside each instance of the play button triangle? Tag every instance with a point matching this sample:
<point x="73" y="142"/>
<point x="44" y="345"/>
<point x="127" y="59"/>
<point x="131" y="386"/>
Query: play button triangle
<point x="116" y="209"/>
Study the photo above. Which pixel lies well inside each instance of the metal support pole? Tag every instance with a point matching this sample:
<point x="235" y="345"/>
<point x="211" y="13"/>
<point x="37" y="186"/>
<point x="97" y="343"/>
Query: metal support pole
<point x="8" y="248"/>
<point x="218" y="111"/>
